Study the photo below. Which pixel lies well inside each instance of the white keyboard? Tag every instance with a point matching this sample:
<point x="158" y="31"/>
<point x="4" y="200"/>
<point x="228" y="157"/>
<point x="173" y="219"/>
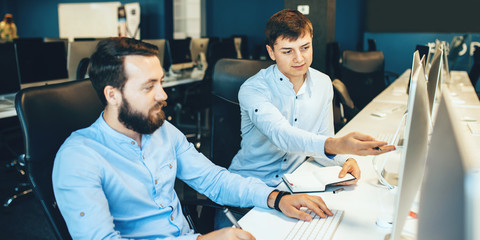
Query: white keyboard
<point x="318" y="228"/>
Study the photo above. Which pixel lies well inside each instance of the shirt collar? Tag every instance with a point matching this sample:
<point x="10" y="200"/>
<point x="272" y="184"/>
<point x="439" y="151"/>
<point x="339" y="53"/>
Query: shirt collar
<point x="107" y="130"/>
<point x="284" y="81"/>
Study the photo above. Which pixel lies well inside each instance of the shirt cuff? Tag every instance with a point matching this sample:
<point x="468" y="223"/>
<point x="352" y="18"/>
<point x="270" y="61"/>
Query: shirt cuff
<point x="262" y="197"/>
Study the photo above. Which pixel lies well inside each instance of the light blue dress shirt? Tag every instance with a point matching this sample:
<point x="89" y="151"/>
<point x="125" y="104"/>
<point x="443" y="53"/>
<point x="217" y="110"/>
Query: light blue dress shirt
<point x="107" y="187"/>
<point x="280" y="128"/>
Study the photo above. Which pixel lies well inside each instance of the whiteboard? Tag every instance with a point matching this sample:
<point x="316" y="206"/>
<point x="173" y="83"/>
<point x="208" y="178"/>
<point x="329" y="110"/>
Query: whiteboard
<point x="88" y="20"/>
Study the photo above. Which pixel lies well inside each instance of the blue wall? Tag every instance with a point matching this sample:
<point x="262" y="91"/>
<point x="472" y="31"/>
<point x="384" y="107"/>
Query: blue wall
<point x="226" y="18"/>
<point x="40" y="18"/>
<point x="398" y="48"/>
<point x="350" y="24"/>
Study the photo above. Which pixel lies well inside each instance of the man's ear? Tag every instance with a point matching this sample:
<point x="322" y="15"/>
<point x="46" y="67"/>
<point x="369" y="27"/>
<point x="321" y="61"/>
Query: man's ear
<point x="270" y="52"/>
<point x="113" y="95"/>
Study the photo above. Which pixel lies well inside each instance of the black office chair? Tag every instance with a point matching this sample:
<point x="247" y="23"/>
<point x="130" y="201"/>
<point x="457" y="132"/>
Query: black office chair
<point x="364" y="74"/>
<point x="333" y="60"/>
<point x="372" y="44"/>
<point x="228" y="76"/>
<point x="48" y="115"/>
<point x="344" y="108"/>
<point x="474" y="73"/>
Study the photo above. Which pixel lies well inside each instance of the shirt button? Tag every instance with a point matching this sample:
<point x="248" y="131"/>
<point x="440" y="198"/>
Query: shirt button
<point x="285" y="160"/>
<point x="281" y="79"/>
<point x="155" y="181"/>
<point x="256" y="110"/>
<point x="143" y="157"/>
<point x="161" y="205"/>
<point x="171" y="166"/>
<point x="295" y="119"/>
<point x="296" y="97"/>
<point x="276" y="176"/>
<point x="82" y="214"/>
<point x="171" y="217"/>
<point x="133" y="143"/>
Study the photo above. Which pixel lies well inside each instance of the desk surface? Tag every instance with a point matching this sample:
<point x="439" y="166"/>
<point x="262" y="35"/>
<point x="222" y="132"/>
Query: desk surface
<point x="362" y="202"/>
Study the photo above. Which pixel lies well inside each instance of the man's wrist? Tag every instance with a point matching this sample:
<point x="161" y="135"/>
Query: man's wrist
<point x="330" y="146"/>
<point x="280" y="194"/>
<point x="271" y="198"/>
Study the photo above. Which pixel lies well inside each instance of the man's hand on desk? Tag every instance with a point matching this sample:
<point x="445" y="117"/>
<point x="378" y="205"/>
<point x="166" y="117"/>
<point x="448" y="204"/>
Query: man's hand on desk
<point x="350" y="166"/>
<point x="358" y="144"/>
<point x="227" y="234"/>
<point x="290" y="205"/>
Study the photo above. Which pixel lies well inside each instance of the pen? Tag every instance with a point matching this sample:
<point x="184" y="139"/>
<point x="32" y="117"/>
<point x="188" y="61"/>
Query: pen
<point x="231" y="218"/>
<point x="378" y="148"/>
<point x="338" y="190"/>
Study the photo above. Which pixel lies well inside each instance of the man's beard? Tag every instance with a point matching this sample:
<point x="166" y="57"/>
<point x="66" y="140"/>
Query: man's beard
<point x="140" y="123"/>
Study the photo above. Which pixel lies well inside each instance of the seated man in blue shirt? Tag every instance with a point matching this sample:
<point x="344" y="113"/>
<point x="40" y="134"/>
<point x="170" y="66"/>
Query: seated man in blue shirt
<point x="287" y="114"/>
<point x="115" y="179"/>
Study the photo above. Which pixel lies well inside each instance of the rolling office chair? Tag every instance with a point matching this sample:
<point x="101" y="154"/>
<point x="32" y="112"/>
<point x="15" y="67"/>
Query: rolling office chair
<point x="228" y="76"/>
<point x="333" y="60"/>
<point x="48" y="115"/>
<point x="474" y="73"/>
<point x="344" y="108"/>
<point x="372" y="44"/>
<point x="364" y="74"/>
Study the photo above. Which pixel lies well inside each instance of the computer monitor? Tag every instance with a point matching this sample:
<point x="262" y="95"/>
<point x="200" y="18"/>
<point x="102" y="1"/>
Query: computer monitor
<point x="40" y="63"/>
<point x="446" y="68"/>
<point x="416" y="63"/>
<point x="160" y="43"/>
<point x="78" y="58"/>
<point x="64" y="40"/>
<point x="449" y="205"/>
<point x="423" y="50"/>
<point x="198" y="49"/>
<point x="414" y="152"/>
<point x="9" y="82"/>
<point x="434" y="78"/>
<point x="180" y="54"/>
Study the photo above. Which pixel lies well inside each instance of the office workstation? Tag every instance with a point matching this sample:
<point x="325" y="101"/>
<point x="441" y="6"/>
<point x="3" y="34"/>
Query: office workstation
<point x="371" y="209"/>
<point x="366" y="210"/>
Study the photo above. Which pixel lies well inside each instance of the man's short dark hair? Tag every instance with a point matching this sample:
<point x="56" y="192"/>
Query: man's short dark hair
<point x="289" y="24"/>
<point x="107" y="62"/>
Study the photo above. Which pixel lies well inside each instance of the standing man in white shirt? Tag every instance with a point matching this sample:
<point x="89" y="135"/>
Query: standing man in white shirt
<point x="287" y="114"/>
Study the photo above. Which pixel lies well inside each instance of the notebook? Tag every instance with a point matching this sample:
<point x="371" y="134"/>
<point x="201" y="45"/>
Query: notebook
<point x="315" y="180"/>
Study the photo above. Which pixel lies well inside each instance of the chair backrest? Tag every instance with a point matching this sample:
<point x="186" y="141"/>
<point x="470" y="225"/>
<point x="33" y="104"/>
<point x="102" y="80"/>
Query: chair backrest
<point x="364" y="74"/>
<point x="48" y="115"/>
<point x="348" y="110"/>
<point x="333" y="60"/>
<point x="372" y="44"/>
<point x="475" y="70"/>
<point x="228" y="76"/>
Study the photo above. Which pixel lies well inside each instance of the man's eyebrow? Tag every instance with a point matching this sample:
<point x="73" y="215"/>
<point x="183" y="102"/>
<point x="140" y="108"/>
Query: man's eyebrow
<point x="149" y="81"/>
<point x="304" y="45"/>
<point x="288" y="48"/>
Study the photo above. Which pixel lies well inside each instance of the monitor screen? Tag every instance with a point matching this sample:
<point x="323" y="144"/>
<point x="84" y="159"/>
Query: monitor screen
<point x="40" y="62"/>
<point x="199" y="46"/>
<point x="78" y="51"/>
<point x="414" y="152"/>
<point x="8" y="68"/>
<point x="179" y="56"/>
<point x="452" y="179"/>
<point x="423" y="50"/>
<point x="160" y="43"/>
